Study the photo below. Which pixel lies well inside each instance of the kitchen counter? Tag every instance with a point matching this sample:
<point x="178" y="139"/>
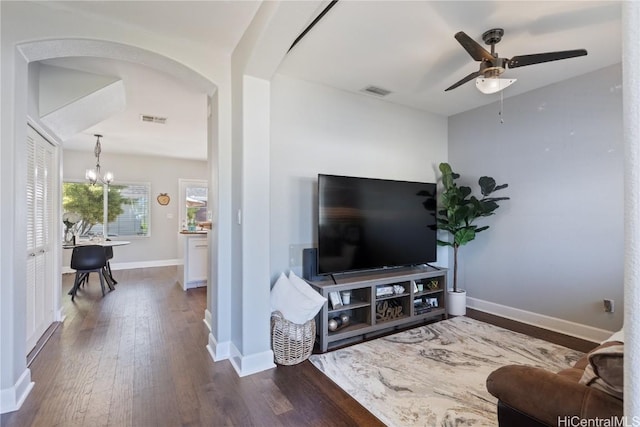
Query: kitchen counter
<point x="193" y="248"/>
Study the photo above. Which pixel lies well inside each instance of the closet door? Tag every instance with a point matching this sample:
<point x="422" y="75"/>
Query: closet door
<point x="40" y="194"/>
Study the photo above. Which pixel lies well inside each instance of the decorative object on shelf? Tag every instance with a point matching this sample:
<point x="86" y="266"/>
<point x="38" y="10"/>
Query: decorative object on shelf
<point x="346" y="297"/>
<point x="70" y="219"/>
<point x="433" y="285"/>
<point x="95" y="175"/>
<point x="421" y="306"/>
<point x="344" y="317"/>
<point x="388" y="310"/>
<point x="420" y="287"/>
<point x="459" y="210"/>
<point x="384" y="291"/>
<point x="336" y="300"/>
<point x="292" y="343"/>
<point x="398" y="289"/>
<point x="338" y="322"/>
<point x="163" y="199"/>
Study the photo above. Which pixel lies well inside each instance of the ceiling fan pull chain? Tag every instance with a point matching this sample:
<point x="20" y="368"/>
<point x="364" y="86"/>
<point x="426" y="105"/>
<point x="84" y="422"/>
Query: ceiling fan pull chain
<point x="501" y="108"/>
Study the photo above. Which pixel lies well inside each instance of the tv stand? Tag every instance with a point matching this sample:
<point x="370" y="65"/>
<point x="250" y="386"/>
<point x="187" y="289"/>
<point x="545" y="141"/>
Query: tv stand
<point x="372" y="310"/>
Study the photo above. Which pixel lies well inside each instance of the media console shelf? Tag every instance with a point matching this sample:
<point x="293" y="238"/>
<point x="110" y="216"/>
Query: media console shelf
<point x="380" y="301"/>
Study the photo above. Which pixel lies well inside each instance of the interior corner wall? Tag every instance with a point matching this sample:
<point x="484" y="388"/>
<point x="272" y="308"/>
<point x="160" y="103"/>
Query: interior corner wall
<point x="316" y="129"/>
<point x="556" y="248"/>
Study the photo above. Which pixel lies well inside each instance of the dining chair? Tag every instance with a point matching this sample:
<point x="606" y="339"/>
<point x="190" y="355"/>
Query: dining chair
<point x="85" y="260"/>
<point x="108" y="251"/>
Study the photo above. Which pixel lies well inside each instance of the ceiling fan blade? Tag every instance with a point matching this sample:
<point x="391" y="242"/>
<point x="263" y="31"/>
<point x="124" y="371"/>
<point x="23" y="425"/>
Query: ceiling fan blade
<point x="538" y="58"/>
<point x="464" y="80"/>
<point x="476" y="51"/>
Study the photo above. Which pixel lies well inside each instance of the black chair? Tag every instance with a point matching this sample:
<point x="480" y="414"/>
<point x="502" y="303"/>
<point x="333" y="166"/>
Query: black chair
<point x="108" y="252"/>
<point x="85" y="260"/>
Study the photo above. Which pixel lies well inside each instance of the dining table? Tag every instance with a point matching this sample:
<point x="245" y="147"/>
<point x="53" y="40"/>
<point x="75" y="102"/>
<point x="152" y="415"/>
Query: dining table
<point x="96" y="242"/>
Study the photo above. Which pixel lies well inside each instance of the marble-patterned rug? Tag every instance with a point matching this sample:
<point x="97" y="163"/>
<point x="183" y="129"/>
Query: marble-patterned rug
<point x="435" y="375"/>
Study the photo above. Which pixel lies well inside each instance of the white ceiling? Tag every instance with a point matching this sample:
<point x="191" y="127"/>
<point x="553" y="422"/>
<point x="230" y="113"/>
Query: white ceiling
<point x="203" y="25"/>
<point x="406" y="47"/>
<point x="148" y="92"/>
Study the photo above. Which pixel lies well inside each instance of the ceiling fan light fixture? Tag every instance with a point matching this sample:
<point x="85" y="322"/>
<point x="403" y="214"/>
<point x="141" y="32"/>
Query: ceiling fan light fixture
<point x="489" y="85"/>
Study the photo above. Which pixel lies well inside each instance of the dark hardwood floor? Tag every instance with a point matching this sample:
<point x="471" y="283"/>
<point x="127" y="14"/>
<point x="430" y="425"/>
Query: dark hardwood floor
<point x="137" y="357"/>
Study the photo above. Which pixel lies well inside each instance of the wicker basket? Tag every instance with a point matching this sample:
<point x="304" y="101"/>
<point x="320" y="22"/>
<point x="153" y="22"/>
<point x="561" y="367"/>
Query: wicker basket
<point x="292" y="343"/>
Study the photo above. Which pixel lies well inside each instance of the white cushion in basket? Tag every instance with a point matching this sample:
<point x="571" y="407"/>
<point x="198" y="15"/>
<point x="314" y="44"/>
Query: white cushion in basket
<point x="296" y="304"/>
<point x="307" y="290"/>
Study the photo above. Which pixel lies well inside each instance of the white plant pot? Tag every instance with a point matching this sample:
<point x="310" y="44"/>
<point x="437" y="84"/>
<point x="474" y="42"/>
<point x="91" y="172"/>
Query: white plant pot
<point x="457" y="303"/>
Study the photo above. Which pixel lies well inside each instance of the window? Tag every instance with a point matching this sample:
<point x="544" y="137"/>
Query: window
<point x="194" y="204"/>
<point x="127" y="205"/>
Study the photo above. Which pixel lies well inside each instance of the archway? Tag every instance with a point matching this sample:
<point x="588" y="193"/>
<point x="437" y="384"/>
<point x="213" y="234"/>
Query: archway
<point x="16" y="381"/>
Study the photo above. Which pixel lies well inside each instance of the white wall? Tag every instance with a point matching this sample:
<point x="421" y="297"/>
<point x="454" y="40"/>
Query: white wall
<point x="556" y="248"/>
<point x="163" y="174"/>
<point x="254" y="61"/>
<point x="316" y="129"/>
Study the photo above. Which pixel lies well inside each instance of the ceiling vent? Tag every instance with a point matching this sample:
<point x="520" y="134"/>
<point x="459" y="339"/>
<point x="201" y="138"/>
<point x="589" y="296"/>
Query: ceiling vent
<point x="153" y="119"/>
<point x="378" y="91"/>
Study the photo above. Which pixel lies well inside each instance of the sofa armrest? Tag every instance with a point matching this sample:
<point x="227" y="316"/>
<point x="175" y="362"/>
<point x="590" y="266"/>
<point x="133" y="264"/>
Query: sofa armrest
<point x="548" y="396"/>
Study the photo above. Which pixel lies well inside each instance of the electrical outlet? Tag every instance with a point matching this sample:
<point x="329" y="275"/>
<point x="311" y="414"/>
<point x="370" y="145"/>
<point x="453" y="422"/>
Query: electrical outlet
<point x="608" y="305"/>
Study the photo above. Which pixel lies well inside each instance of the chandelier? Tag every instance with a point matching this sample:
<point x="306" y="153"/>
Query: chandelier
<point x="95" y="175"/>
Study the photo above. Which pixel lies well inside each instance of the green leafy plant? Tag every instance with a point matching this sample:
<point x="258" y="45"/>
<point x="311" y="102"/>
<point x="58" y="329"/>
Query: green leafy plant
<point x="87" y="201"/>
<point x="459" y="209"/>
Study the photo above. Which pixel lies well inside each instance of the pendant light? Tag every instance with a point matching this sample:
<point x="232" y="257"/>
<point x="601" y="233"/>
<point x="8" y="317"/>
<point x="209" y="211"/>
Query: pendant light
<point x="95" y="175"/>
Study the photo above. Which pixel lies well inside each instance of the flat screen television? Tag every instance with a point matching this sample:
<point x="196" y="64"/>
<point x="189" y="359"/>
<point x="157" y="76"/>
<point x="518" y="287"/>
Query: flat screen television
<point x="366" y="224"/>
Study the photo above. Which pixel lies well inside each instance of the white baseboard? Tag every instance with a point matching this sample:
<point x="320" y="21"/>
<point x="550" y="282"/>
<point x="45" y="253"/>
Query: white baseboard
<point x="252" y="364"/>
<point x="11" y="399"/>
<point x="59" y="315"/>
<point x="136" y="264"/>
<point x="207" y="319"/>
<point x="145" y="264"/>
<point x="218" y="351"/>
<point x="562" y="326"/>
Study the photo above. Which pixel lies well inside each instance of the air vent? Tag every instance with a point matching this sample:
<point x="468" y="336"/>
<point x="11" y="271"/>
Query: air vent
<point x="378" y="91"/>
<point x="153" y="119"/>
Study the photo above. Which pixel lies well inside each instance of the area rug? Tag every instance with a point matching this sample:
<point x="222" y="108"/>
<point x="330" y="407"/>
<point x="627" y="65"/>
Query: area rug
<point x="435" y="375"/>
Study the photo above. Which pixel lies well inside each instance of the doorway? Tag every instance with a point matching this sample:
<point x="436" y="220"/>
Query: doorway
<point x="34" y="52"/>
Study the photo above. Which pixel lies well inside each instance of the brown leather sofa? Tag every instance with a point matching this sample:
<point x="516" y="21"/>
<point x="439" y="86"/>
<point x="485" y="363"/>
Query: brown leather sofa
<point x="533" y="397"/>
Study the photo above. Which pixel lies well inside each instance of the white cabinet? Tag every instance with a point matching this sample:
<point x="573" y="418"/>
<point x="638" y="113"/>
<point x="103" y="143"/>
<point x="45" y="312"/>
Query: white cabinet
<point x="41" y="190"/>
<point x="193" y="248"/>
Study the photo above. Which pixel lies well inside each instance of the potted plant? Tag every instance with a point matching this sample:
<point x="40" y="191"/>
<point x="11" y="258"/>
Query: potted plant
<point x="458" y="212"/>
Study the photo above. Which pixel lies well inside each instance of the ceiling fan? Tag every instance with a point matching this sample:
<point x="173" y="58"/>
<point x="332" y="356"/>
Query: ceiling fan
<point x="492" y="66"/>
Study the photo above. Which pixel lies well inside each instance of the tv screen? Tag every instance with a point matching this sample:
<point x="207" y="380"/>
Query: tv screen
<point x="366" y="223"/>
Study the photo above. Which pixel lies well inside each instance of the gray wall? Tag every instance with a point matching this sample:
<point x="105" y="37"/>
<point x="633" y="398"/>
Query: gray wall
<point x="317" y="129"/>
<point x="556" y="248"/>
<point x="163" y="174"/>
